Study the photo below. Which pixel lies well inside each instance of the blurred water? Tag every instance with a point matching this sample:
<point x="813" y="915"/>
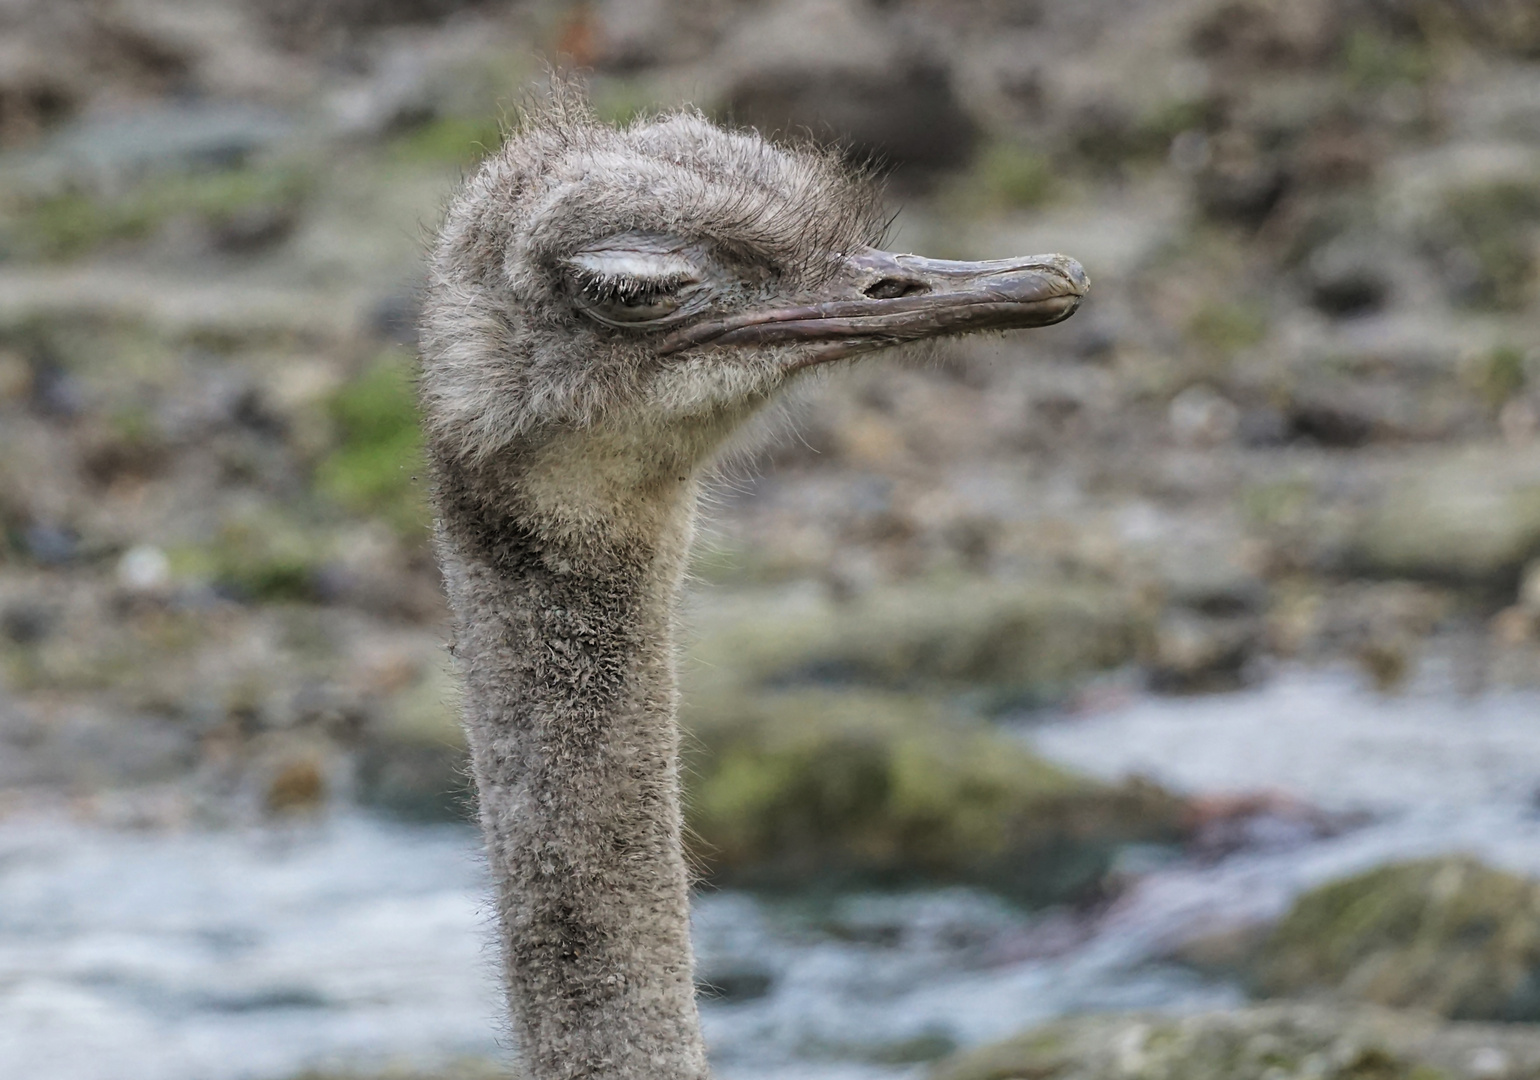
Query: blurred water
<point x="217" y="956"/>
<point x="1438" y="770"/>
<point x="238" y="954"/>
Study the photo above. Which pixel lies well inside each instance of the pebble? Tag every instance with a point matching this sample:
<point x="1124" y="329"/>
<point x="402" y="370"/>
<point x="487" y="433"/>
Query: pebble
<point x="144" y="568"/>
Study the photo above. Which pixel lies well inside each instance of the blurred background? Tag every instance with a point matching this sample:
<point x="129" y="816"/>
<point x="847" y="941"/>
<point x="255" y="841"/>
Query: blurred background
<point x="1170" y="677"/>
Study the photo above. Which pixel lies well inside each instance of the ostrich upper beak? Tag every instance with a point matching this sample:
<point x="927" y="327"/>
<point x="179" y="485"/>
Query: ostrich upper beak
<point x="878" y="299"/>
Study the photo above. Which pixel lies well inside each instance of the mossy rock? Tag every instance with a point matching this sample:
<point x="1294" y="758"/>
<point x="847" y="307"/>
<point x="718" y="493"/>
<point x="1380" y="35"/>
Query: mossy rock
<point x="797" y="788"/>
<point x="1275" y="1042"/>
<point x="1013" y="640"/>
<point x="1448" y="935"/>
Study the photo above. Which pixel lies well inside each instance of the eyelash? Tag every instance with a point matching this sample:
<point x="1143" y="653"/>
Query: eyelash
<point x="626" y="290"/>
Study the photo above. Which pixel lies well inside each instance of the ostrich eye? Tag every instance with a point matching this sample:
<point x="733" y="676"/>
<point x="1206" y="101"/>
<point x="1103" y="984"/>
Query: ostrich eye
<point x="632" y="287"/>
<point x="629" y="301"/>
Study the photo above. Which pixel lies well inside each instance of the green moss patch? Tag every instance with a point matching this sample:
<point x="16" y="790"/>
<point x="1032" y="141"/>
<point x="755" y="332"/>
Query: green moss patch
<point x="1447" y="935"/>
<point x="376" y="466"/>
<point x="1371" y="60"/>
<point x="1014" y="176"/>
<point x="449" y="140"/>
<point x="1499" y="375"/>
<point x="803" y="787"/>
<point x="1228" y="326"/>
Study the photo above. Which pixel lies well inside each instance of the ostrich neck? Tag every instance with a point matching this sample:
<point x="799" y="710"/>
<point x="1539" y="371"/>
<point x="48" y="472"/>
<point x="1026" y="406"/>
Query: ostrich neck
<point x="565" y="642"/>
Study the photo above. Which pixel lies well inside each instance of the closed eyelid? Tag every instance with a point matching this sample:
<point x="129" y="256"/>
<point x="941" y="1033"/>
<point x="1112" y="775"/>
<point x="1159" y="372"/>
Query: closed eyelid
<point x="641" y="266"/>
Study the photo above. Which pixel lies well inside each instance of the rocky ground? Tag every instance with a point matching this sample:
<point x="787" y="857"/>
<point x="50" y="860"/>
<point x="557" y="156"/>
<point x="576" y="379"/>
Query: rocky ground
<point x="1297" y="421"/>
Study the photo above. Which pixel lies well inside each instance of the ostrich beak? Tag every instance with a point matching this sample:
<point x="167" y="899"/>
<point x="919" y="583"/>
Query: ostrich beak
<point x="878" y="299"/>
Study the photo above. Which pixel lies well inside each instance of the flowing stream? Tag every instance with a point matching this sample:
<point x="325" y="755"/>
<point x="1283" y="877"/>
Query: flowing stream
<point x="353" y="942"/>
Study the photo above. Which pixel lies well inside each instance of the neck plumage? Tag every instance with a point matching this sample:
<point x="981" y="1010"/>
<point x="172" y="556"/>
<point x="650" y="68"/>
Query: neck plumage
<point x="566" y="649"/>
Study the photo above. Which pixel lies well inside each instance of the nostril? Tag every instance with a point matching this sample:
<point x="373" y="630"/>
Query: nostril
<point x="891" y="288"/>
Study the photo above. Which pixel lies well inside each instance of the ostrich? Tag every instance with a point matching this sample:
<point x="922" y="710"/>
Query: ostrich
<point x="607" y="310"/>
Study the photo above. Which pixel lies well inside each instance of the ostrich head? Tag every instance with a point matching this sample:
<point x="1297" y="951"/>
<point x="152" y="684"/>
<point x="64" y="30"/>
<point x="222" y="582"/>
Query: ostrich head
<point x="608" y="306"/>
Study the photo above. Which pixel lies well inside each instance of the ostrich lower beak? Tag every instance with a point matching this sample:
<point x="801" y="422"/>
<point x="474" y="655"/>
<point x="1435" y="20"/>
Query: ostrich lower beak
<point x="880" y="299"/>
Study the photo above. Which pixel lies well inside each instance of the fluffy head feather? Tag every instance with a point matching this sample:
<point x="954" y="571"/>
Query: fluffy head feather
<point x="508" y="361"/>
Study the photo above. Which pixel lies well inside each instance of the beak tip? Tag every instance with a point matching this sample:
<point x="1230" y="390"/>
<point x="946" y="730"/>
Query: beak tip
<point x="1079" y="280"/>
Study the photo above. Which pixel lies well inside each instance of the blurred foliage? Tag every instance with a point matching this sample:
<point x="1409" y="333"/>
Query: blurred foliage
<point x="71" y="223"/>
<point x="265" y="558"/>
<point x="1373" y="61"/>
<point x="620" y="101"/>
<point x="132" y="661"/>
<point x="453" y="140"/>
<point x="930" y="1046"/>
<point x="1499" y="374"/>
<point x="1448" y="935"/>
<point x="1109" y="140"/>
<point x="376" y="464"/>
<point x="1278" y="505"/>
<point x="1228" y="325"/>
<point x="1014" y="176"/>
<point x="1507" y="25"/>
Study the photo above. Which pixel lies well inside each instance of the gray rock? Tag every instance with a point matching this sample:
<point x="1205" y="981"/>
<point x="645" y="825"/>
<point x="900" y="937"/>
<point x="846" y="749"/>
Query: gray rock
<point x="1349" y="275"/>
<point x="1198" y="652"/>
<point x="111" y="151"/>
<point x="1241" y="182"/>
<point x="55" y="58"/>
<point x="842" y="70"/>
<point x="636" y="34"/>
<point x="300" y="21"/>
<point x="1028" y="636"/>
<point x="1472" y="519"/>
